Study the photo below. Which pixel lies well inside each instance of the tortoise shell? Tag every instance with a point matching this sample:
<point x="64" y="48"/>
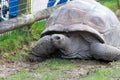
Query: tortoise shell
<point x="81" y="15"/>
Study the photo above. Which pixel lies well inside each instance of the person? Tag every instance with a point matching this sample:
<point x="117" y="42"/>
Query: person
<point x="37" y="5"/>
<point x="55" y="2"/>
<point x="13" y="8"/>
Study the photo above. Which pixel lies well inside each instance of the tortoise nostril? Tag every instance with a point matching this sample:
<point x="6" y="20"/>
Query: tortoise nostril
<point x="57" y="37"/>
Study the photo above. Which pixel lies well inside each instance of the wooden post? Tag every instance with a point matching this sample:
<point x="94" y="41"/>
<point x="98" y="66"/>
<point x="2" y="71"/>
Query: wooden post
<point x="22" y="21"/>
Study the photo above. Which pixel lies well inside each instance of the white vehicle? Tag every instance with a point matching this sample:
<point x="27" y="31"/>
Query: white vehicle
<point x="37" y="5"/>
<point x="4" y="10"/>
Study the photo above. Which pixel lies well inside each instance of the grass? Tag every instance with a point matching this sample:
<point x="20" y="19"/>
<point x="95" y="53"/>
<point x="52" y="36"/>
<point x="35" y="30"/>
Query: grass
<point x="14" y="57"/>
<point x="111" y="4"/>
<point x="52" y="69"/>
<point x="14" y="40"/>
<point x="17" y="42"/>
<point x="103" y="74"/>
<point x="37" y="28"/>
<point x="56" y="69"/>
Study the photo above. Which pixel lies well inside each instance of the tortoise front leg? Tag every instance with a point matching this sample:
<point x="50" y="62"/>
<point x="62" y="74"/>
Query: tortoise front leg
<point x="42" y="49"/>
<point x="104" y="52"/>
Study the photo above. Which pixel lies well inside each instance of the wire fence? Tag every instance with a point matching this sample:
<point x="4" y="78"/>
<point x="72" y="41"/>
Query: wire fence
<point x="14" y="8"/>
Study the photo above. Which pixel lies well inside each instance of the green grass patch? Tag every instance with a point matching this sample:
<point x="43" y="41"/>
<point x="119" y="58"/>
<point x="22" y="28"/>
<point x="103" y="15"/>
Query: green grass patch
<point x="22" y="75"/>
<point x="14" y="57"/>
<point x="14" y="41"/>
<point x="55" y="69"/>
<point x="103" y="74"/>
<point x="57" y="64"/>
<point x="37" y="28"/>
<point x="112" y="4"/>
<point x="52" y="69"/>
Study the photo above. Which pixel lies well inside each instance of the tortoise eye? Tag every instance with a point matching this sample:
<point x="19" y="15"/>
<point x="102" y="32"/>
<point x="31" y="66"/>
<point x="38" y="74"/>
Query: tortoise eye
<point x="57" y="38"/>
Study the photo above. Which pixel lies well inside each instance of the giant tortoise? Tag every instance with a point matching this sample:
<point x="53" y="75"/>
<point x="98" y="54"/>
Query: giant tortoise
<point x="82" y="29"/>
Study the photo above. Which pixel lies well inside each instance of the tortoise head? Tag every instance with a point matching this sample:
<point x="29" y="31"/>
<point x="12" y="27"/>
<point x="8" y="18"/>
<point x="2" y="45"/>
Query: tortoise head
<point x="60" y="40"/>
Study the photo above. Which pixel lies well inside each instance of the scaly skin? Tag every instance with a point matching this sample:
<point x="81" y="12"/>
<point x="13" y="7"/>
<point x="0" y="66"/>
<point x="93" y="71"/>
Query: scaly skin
<point x="42" y="49"/>
<point x="104" y="52"/>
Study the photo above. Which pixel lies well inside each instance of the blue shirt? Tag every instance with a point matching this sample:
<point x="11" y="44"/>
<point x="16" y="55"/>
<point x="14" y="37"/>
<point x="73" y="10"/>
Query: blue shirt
<point x="13" y="8"/>
<point x="52" y="2"/>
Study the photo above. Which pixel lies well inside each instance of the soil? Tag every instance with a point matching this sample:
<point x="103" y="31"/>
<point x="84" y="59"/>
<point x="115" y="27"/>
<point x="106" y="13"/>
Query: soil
<point x="84" y="68"/>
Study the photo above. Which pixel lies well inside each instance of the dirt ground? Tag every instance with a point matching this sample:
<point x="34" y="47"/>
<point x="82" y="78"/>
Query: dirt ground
<point x="85" y="67"/>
